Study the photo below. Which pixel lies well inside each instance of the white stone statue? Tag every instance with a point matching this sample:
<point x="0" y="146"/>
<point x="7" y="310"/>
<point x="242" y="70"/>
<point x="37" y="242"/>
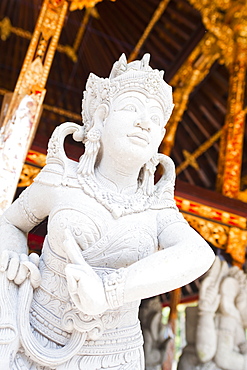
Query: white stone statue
<point x="113" y="236"/>
<point x="157" y="335"/>
<point x="215" y="330"/>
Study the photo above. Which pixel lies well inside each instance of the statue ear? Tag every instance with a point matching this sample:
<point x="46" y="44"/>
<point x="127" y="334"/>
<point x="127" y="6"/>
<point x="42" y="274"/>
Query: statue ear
<point x="101" y="114"/>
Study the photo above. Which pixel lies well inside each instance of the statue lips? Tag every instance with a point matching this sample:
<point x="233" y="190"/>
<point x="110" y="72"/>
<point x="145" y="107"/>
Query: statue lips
<point x="142" y="138"/>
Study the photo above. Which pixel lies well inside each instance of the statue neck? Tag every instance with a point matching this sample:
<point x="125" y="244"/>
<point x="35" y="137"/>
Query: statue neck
<point x="116" y="178"/>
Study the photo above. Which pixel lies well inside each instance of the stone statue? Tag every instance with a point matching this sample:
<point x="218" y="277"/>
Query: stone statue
<point x="215" y="330"/>
<point x="156" y="334"/>
<point x="113" y="236"/>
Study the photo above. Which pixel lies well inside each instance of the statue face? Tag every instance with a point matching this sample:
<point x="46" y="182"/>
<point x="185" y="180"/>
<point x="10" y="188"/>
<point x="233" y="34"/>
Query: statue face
<point x="134" y="127"/>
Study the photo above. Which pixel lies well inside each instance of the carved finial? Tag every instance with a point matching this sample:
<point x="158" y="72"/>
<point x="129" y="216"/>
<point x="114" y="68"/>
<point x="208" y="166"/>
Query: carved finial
<point x="145" y="62"/>
<point x="119" y="67"/>
<point x="162" y="74"/>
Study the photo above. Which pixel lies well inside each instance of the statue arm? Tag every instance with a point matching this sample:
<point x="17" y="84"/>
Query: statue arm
<point x="209" y="299"/>
<point x="184" y="257"/>
<point x="25" y="213"/>
<point x="189" y="257"/>
<point x="226" y="356"/>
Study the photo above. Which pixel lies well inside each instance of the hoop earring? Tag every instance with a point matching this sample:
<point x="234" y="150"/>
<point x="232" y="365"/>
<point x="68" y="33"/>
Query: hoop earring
<point x="88" y="159"/>
<point x="148" y="175"/>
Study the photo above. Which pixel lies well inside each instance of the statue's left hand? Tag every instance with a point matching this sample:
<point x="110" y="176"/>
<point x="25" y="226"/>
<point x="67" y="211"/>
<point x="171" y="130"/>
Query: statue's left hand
<point x="86" y="289"/>
<point x="85" y="286"/>
<point x="20" y="267"/>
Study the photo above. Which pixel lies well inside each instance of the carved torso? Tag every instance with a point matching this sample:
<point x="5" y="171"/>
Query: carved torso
<point x="106" y="243"/>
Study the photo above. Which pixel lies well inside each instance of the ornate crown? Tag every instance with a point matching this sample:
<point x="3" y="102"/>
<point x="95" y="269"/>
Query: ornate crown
<point x="137" y="76"/>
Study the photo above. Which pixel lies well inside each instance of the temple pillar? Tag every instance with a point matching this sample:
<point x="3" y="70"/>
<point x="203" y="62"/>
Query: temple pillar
<point x="231" y="146"/>
<point x="21" y="113"/>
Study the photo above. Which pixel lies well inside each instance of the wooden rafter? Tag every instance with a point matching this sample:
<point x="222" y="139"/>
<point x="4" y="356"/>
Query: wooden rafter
<point x="156" y="16"/>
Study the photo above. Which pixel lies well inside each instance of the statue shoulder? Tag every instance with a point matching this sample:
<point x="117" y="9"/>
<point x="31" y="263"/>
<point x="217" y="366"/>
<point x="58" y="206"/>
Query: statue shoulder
<point x="164" y="188"/>
<point x="59" y="169"/>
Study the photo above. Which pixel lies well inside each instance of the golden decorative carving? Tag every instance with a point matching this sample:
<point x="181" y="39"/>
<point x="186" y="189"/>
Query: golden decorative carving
<point x="31" y="78"/>
<point x="211" y="213"/>
<point x="211" y="231"/>
<point x="230" y="170"/>
<point x="34" y="162"/>
<point x="226" y="20"/>
<point x="242" y="195"/>
<point x="6" y="29"/>
<point x="27" y="175"/>
<point x="192" y="72"/>
<point x="34" y="68"/>
<point x="36" y="158"/>
<point x="236" y="246"/>
<point x="80" y="4"/>
<point x="31" y="83"/>
<point x="156" y="16"/>
<point x="222" y="229"/>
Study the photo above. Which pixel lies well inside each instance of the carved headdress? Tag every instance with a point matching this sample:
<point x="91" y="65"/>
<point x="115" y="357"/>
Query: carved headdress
<point x="124" y="77"/>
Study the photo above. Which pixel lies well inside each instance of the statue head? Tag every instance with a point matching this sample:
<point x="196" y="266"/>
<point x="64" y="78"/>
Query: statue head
<point x="102" y="94"/>
<point x="125" y="77"/>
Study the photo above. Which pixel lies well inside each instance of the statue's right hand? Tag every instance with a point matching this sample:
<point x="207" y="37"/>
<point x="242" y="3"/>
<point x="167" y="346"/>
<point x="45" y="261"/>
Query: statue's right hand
<point x="209" y="297"/>
<point x="19" y="267"/>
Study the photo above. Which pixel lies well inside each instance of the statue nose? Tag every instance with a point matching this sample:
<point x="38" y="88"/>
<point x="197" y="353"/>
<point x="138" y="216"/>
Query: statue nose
<point x="144" y="123"/>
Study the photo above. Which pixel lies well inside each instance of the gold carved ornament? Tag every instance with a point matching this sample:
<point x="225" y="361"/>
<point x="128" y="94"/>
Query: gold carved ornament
<point x="222" y="229"/>
<point x="230" y="177"/>
<point x="192" y="72"/>
<point x="27" y="175"/>
<point x="227" y="21"/>
<point x="217" y="17"/>
<point x="80" y="4"/>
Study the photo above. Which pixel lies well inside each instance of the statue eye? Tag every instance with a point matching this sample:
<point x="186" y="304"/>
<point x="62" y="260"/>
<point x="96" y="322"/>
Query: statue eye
<point x="156" y="119"/>
<point x="130" y="108"/>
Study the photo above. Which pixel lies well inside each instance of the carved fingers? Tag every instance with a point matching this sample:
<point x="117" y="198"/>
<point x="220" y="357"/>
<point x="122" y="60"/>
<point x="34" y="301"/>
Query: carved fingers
<point x="86" y="289"/>
<point x="19" y="267"/>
